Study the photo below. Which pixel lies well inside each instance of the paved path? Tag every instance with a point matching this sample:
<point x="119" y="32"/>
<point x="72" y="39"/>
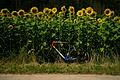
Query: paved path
<point x="57" y="77"/>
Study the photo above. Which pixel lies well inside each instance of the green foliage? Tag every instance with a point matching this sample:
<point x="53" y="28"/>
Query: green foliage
<point x="29" y="38"/>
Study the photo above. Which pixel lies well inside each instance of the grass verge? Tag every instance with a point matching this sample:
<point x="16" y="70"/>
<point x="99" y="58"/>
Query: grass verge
<point x="73" y="68"/>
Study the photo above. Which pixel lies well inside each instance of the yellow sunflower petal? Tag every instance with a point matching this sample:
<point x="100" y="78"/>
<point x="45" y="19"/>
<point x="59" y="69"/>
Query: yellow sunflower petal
<point x="21" y="12"/>
<point x="34" y="10"/>
<point x="63" y="9"/>
<point x="27" y="15"/>
<point x="80" y="13"/>
<point x="39" y="14"/>
<point x="71" y="9"/>
<point x="107" y="12"/>
<point x="54" y="10"/>
<point x="46" y="10"/>
<point x="89" y="11"/>
<point x="14" y="14"/>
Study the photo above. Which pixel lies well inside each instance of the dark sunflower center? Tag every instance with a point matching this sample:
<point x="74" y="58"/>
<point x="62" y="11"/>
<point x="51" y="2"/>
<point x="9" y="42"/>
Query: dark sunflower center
<point x="40" y="15"/>
<point x="107" y="12"/>
<point x="112" y="14"/>
<point x="83" y="11"/>
<point x="21" y="13"/>
<point x="64" y="9"/>
<point x="89" y="11"/>
<point x="34" y="11"/>
<point x="93" y="14"/>
<point x="47" y="11"/>
<point x="5" y="11"/>
<point x="79" y="13"/>
<point x="51" y="12"/>
<point x="72" y="10"/>
<point x="15" y="14"/>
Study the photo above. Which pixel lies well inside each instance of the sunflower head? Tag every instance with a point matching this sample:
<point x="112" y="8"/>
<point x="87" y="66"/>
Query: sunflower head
<point x="63" y="9"/>
<point x="83" y="9"/>
<point x="5" y="11"/>
<point x="54" y="10"/>
<point x="112" y="13"/>
<point x="116" y="19"/>
<point x="89" y="11"/>
<point x="46" y="10"/>
<point x="107" y="12"/>
<point x="94" y="14"/>
<point x="21" y="12"/>
<point x="10" y="27"/>
<point x="14" y="14"/>
<point x="34" y="10"/>
<point x="80" y="13"/>
<point x="51" y="13"/>
<point x="99" y="20"/>
<point x="39" y="14"/>
<point x="71" y="9"/>
<point x="27" y="15"/>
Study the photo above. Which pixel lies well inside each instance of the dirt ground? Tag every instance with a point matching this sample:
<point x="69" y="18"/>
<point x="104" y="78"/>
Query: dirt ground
<point x="58" y="77"/>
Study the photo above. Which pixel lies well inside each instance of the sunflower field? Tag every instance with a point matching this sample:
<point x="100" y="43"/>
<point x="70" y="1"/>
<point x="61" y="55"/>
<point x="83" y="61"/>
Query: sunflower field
<point x="27" y="36"/>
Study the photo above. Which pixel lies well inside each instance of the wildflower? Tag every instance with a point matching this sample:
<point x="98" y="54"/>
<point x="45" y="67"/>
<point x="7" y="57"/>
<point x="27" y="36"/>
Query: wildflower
<point x="14" y="14"/>
<point x="34" y="10"/>
<point x="99" y="20"/>
<point x="4" y="11"/>
<point x="39" y="14"/>
<point x="21" y="12"/>
<point x="80" y="13"/>
<point x="51" y="13"/>
<point x="63" y="9"/>
<point x="112" y="13"/>
<point x="107" y="12"/>
<point x="71" y="9"/>
<point x="83" y="9"/>
<point x="54" y="10"/>
<point x="89" y="11"/>
<point x="27" y="15"/>
<point x="10" y="27"/>
<point x="93" y="14"/>
<point x="116" y="18"/>
<point x="46" y="10"/>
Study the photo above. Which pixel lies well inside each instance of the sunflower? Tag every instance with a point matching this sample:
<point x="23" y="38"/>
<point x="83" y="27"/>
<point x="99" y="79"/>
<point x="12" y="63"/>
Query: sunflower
<point x="112" y="13"/>
<point x="80" y="13"/>
<point x="116" y="19"/>
<point x="63" y="9"/>
<point x="14" y="14"/>
<point x="54" y="10"/>
<point x="61" y="13"/>
<point x="107" y="12"/>
<point x="99" y="20"/>
<point x="46" y="10"/>
<point x="93" y="14"/>
<point x="21" y="12"/>
<point x="51" y="13"/>
<point x="10" y="27"/>
<point x="39" y="14"/>
<point x="89" y="11"/>
<point x="34" y="10"/>
<point x="5" y="11"/>
<point x="83" y="9"/>
<point x="71" y="9"/>
<point x="27" y="15"/>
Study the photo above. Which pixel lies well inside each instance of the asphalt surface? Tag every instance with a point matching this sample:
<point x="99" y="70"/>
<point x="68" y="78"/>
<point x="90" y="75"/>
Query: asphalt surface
<point x="58" y="77"/>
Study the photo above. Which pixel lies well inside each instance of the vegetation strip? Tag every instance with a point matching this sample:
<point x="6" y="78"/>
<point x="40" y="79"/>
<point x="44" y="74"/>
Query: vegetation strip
<point x="74" y="68"/>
